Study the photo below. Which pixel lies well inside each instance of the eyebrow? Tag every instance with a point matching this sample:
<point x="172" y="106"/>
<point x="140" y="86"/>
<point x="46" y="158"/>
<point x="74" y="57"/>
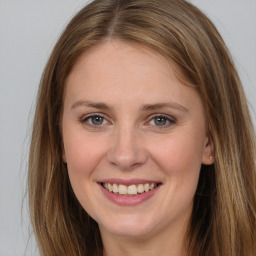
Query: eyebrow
<point x="147" y="107"/>
<point x="173" y="105"/>
<point x="98" y="105"/>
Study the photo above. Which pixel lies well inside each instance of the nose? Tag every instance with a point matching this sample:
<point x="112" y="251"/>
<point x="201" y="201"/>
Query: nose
<point x="127" y="150"/>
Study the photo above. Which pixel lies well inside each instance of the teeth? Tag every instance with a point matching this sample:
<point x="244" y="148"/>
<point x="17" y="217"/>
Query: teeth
<point x="109" y="187"/>
<point x="115" y="188"/>
<point x="146" y="187"/>
<point x="141" y="188"/>
<point x="122" y="189"/>
<point x="151" y="186"/>
<point x="131" y="190"/>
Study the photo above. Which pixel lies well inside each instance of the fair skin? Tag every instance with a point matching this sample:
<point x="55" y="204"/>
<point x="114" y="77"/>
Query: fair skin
<point x="128" y="120"/>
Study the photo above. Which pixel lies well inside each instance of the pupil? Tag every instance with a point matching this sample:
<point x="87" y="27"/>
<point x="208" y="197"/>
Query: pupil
<point x="160" y="121"/>
<point x="97" y="120"/>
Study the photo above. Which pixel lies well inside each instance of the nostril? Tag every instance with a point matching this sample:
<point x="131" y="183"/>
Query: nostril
<point x="128" y="158"/>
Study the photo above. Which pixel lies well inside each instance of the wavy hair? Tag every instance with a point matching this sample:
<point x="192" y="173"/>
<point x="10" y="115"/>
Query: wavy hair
<point x="224" y="215"/>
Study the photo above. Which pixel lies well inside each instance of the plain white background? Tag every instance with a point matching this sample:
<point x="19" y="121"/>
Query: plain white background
<point x="28" y="31"/>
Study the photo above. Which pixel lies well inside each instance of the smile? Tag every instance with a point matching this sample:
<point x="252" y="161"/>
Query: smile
<point x="131" y="190"/>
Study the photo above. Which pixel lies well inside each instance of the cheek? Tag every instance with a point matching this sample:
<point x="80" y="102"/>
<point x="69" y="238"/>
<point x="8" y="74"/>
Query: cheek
<point x="180" y="159"/>
<point x="82" y="154"/>
<point x="180" y="155"/>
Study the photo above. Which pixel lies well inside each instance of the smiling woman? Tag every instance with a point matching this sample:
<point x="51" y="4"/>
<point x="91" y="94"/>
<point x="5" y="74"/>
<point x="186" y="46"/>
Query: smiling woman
<point x="152" y="136"/>
<point x="142" y="140"/>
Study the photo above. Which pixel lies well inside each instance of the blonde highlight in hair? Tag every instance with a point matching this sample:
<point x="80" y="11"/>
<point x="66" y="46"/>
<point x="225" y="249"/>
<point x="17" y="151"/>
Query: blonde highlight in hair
<point x="224" y="215"/>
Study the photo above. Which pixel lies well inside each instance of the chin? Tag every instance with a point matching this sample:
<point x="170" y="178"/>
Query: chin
<point x="129" y="226"/>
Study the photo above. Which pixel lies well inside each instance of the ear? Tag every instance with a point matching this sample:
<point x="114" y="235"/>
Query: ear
<point x="208" y="151"/>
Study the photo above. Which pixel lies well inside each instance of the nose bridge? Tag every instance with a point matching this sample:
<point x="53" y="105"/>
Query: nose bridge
<point x="127" y="149"/>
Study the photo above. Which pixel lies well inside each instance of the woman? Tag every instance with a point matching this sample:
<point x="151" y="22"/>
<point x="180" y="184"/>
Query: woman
<point x="142" y="140"/>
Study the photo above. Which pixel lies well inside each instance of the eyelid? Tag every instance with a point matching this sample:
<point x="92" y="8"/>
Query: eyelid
<point x="91" y="115"/>
<point x="169" y="118"/>
<point x="83" y="117"/>
<point x="163" y="115"/>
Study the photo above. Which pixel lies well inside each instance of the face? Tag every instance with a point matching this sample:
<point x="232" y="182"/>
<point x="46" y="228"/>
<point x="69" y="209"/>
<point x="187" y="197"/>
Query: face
<point x="134" y="140"/>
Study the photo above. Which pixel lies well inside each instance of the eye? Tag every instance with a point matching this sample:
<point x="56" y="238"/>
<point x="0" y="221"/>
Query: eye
<point x="94" y="120"/>
<point x="161" y="121"/>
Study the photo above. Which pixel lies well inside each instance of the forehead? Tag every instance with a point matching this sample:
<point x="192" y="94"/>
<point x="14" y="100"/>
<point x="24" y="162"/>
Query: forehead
<point x="120" y="54"/>
<point x="122" y="70"/>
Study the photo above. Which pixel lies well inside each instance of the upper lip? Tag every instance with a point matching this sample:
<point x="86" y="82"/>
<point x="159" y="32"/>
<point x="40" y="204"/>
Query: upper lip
<point x="128" y="182"/>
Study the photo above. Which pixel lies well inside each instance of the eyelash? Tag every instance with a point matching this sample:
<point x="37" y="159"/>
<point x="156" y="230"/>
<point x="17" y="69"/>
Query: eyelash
<point x="85" y="120"/>
<point x="169" y="120"/>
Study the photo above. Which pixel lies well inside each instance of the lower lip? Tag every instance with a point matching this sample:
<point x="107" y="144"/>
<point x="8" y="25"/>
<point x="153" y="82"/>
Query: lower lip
<point x="129" y="200"/>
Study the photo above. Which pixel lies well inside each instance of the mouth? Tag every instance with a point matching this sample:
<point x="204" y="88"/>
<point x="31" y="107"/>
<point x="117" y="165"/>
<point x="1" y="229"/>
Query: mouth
<point x="129" y="190"/>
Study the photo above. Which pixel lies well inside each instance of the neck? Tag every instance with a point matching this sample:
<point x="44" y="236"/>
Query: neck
<point x="165" y="243"/>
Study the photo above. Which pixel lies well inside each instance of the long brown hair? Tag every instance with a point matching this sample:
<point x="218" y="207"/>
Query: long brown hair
<point x="224" y="215"/>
